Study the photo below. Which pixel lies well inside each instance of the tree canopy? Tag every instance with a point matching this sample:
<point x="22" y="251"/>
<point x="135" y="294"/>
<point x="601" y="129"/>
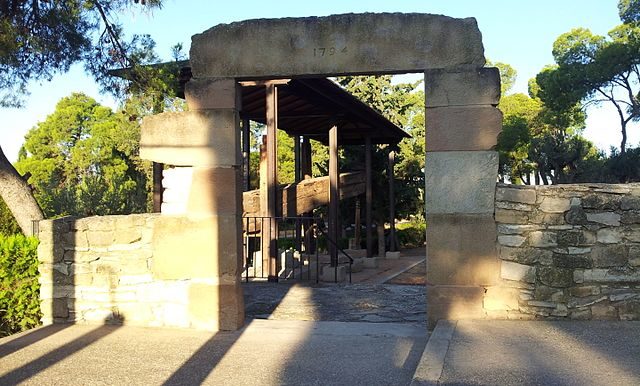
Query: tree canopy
<point x="82" y="160"/>
<point x="593" y="69"/>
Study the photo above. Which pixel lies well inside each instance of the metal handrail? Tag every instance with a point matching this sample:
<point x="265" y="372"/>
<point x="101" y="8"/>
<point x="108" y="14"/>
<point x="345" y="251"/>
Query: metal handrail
<point x="335" y="277"/>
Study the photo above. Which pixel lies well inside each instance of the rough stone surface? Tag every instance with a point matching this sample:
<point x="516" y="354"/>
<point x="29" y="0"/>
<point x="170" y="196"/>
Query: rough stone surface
<point x="462" y="88"/>
<point x="461" y="182"/>
<point x="463" y="128"/>
<point x="337" y="44"/>
<point x="518" y="272"/>
<point x="462" y="250"/>
<point x="110" y="269"/>
<point x="202" y="138"/>
<point x="582" y="242"/>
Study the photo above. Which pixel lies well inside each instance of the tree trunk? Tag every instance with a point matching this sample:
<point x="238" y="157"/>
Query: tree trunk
<point x="17" y="194"/>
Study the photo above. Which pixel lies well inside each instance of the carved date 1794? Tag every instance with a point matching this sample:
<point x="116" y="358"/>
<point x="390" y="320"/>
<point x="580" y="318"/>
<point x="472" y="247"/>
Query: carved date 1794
<point x="328" y="51"/>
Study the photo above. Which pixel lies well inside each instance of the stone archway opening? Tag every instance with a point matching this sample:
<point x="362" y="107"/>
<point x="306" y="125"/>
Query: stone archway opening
<point x="202" y="250"/>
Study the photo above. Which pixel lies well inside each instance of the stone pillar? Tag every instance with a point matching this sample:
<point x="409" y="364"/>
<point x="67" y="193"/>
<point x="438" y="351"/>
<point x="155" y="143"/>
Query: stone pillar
<point x="205" y="246"/>
<point x="460" y="173"/>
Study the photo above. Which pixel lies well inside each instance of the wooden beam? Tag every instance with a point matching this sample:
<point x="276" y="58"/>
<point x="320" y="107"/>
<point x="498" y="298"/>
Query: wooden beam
<point x="334" y="194"/>
<point x="272" y="178"/>
<point x="368" y="196"/>
<point x="266" y="82"/>
<point x="392" y="201"/>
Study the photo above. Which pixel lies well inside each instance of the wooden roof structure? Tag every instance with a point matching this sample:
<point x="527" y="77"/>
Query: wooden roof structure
<point x="307" y="107"/>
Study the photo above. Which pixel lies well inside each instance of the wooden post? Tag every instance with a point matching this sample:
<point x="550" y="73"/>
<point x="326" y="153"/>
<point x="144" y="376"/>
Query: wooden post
<point x="358" y="222"/>
<point x="246" y="155"/>
<point x="158" y="190"/>
<point x="298" y="177"/>
<point x="392" y="201"/>
<point x="272" y="178"/>
<point x="368" y="196"/>
<point x="334" y="194"/>
<point x="264" y="210"/>
<point x="306" y="173"/>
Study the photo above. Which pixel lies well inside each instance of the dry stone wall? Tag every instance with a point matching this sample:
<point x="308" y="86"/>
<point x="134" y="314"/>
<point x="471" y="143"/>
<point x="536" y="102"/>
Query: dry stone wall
<point x="570" y="251"/>
<point x="107" y="269"/>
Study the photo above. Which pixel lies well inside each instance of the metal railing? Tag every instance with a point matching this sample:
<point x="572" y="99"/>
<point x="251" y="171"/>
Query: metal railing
<point x="295" y="243"/>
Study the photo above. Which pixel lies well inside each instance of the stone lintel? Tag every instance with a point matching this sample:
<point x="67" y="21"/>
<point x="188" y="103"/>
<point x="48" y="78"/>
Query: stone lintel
<point x="463" y="128"/>
<point x="447" y="87"/>
<point x="454" y="302"/>
<point x="461" y="182"/>
<point x="461" y="250"/>
<point x="202" y="138"/>
<point x="336" y="44"/>
<point x="213" y="93"/>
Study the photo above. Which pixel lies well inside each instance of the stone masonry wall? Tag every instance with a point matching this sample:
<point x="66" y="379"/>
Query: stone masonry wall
<point x="570" y="251"/>
<point x="103" y="270"/>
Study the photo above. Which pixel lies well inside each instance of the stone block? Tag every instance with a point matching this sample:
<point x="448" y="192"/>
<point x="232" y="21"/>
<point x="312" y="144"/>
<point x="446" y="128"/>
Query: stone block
<point x="630" y="203"/>
<point x="187" y="248"/>
<point x="601" y="201"/>
<point x="201" y="138"/>
<point x="511" y="240"/>
<point x="454" y="302"/>
<point x="215" y="191"/>
<point x="562" y="260"/>
<point x="609" y="236"/>
<point x="336" y="44"/>
<point x="216" y="306"/>
<point x="605" y="256"/>
<point x="606" y="218"/>
<point x="630" y="217"/>
<point x="461" y="182"/>
<point x="506" y="216"/>
<point x="528" y="256"/>
<point x="371" y="262"/>
<point x="462" y="88"/>
<point x="54" y="308"/>
<point x="333" y="274"/>
<point x="462" y="250"/>
<point x="541" y="239"/>
<point x="629" y="310"/>
<point x="555" y="277"/>
<point x="501" y="298"/>
<point x="392" y="255"/>
<point x="517" y="272"/>
<point x="216" y="93"/>
<point x="462" y="128"/>
<point x="576" y="216"/>
<point x="584" y="291"/>
<point x="523" y="195"/>
<point x="555" y="204"/>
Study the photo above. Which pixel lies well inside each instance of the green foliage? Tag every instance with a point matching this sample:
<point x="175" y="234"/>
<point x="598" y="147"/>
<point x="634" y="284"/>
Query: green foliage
<point x="508" y="75"/>
<point x="629" y="11"/>
<point x="41" y="38"/>
<point x="594" y="69"/>
<point x="19" y="287"/>
<point x="83" y="161"/>
<point x="412" y="234"/>
<point x="403" y="105"/>
<point x="8" y="224"/>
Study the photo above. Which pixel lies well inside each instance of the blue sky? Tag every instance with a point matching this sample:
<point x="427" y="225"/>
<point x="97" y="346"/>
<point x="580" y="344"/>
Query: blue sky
<point x="517" y="32"/>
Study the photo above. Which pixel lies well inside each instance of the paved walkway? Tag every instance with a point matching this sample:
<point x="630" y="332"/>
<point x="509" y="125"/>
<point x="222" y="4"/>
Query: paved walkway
<point x="531" y="353"/>
<point x="265" y="352"/>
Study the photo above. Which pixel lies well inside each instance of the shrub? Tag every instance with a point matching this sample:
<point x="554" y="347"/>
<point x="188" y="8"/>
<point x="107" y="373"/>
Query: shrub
<point x="19" y="287"/>
<point x="411" y="234"/>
